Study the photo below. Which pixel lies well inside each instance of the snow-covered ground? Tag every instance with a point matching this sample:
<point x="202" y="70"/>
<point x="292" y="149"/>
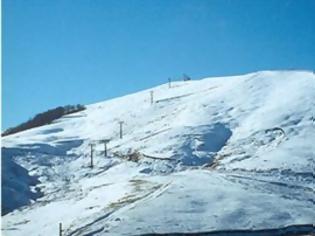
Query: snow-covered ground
<point x="219" y="153"/>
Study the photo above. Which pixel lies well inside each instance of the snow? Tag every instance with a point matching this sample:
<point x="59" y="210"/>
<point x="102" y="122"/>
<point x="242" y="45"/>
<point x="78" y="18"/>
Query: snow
<point x="219" y="153"/>
<point x="16" y="188"/>
<point x="211" y="201"/>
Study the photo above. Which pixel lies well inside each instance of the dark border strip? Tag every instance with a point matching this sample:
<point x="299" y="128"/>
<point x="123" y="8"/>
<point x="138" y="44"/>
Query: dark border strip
<point x="291" y="230"/>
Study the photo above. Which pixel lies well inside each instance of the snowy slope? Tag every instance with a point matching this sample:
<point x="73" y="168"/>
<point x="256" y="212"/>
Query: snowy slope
<point x="219" y="153"/>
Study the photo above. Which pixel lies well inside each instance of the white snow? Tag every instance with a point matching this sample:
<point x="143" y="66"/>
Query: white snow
<point x="219" y="153"/>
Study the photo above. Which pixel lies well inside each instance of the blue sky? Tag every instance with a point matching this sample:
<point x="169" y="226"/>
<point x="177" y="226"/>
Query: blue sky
<point x="82" y="51"/>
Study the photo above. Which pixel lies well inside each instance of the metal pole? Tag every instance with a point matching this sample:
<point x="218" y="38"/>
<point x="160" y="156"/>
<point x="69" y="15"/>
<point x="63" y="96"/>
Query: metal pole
<point x="105" y="141"/>
<point x="105" y="149"/>
<point x="60" y="229"/>
<point x="120" y="129"/>
<point x="151" y="95"/>
<point x="92" y="145"/>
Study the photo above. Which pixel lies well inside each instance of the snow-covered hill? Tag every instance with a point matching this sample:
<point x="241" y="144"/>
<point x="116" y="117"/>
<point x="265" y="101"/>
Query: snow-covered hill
<point x="219" y="153"/>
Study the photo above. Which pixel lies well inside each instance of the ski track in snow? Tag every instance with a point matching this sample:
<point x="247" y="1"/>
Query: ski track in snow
<point x="215" y="154"/>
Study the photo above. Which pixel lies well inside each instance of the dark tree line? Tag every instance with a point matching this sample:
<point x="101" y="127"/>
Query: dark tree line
<point x="44" y="118"/>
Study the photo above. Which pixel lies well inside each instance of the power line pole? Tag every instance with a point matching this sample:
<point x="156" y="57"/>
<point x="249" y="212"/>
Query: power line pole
<point x="92" y="150"/>
<point x="60" y="229"/>
<point x="105" y="141"/>
<point x="151" y="95"/>
<point x="186" y="77"/>
<point x="120" y="129"/>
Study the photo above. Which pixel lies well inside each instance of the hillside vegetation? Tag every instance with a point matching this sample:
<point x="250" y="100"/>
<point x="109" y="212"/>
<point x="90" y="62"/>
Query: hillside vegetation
<point x="45" y="118"/>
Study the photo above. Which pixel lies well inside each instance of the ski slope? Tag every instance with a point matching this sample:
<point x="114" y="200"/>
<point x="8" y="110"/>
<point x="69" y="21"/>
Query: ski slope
<point x="214" y="154"/>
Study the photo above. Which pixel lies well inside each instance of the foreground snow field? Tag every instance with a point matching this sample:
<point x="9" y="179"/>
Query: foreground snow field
<point x="219" y="153"/>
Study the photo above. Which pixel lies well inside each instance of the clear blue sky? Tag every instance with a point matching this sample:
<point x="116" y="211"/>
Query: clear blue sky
<point x="62" y="52"/>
